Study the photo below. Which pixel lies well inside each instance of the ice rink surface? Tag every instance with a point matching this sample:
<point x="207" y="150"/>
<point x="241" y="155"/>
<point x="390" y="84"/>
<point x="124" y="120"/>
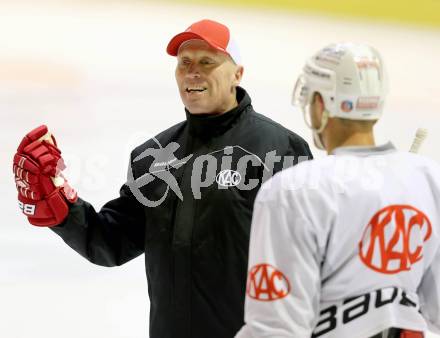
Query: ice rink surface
<point x="99" y="77"/>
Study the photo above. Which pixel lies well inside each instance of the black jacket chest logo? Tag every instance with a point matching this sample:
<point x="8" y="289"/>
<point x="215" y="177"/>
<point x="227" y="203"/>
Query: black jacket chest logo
<point x="160" y="168"/>
<point x="228" y="178"/>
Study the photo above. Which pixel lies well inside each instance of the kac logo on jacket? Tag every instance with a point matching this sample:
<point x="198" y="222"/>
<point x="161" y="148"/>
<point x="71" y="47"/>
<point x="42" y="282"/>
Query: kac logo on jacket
<point x="228" y="178"/>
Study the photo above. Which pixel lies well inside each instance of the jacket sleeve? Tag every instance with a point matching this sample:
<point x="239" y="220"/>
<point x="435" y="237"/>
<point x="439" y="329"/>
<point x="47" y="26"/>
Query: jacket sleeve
<point x="300" y="148"/>
<point x="429" y="293"/>
<point x="110" y="237"/>
<point x="283" y="286"/>
<point x="296" y="151"/>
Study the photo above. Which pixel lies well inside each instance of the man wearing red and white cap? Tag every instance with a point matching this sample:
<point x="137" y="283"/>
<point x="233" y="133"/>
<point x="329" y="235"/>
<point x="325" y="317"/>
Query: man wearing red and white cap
<point x="188" y="200"/>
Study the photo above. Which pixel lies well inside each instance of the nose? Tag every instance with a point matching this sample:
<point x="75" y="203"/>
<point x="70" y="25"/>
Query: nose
<point x="193" y="71"/>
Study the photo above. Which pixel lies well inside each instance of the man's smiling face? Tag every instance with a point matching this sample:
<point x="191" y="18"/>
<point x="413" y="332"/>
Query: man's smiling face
<point x="206" y="78"/>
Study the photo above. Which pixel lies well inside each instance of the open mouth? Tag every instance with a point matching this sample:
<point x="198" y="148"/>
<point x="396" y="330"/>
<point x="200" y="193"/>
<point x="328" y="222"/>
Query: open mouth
<point x="195" y="89"/>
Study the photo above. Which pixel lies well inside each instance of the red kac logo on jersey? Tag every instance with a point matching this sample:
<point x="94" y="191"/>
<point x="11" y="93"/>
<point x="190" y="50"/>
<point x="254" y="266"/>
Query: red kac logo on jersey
<point x="393" y="240"/>
<point x="266" y="283"/>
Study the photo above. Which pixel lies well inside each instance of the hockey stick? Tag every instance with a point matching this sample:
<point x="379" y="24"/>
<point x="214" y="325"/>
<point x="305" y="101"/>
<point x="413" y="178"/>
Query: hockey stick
<point x="421" y="135"/>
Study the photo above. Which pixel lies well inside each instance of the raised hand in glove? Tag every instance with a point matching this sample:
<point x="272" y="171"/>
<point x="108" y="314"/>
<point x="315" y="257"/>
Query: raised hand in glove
<point x="43" y="193"/>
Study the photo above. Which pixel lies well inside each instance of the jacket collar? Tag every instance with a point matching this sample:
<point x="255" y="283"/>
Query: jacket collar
<point x="365" y="150"/>
<point x="214" y="125"/>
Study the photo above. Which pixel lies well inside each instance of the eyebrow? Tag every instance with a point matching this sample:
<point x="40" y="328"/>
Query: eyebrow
<point x="210" y="57"/>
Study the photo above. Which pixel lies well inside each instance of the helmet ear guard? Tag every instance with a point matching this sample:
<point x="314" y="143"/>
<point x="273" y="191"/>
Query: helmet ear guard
<point x="302" y="96"/>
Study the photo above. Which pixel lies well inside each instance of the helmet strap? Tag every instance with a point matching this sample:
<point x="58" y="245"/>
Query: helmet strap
<point x="317" y="137"/>
<point x="324" y="121"/>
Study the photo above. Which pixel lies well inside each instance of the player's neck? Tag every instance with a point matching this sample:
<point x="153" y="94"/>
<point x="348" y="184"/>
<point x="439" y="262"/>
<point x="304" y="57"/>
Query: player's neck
<point x="352" y="139"/>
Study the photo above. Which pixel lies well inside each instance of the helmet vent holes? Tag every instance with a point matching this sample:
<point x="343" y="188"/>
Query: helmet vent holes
<point x="347" y="81"/>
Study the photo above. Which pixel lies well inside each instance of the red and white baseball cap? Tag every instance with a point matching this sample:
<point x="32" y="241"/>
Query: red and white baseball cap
<point x="214" y="33"/>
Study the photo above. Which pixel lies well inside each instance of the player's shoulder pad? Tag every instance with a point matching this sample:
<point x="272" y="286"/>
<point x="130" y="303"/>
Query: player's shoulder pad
<point x="425" y="163"/>
<point x="422" y="159"/>
<point x="305" y="176"/>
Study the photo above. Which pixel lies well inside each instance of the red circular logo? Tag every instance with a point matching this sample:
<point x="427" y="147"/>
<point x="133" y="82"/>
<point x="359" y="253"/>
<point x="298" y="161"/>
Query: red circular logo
<point x="266" y="283"/>
<point x="347" y="106"/>
<point x="393" y="240"/>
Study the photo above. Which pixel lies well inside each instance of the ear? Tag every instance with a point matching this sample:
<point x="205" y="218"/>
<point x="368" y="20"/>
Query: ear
<point x="238" y="75"/>
<point x="319" y="102"/>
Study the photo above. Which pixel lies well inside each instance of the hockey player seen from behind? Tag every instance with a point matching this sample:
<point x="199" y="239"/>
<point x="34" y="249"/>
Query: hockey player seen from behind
<point x="346" y="245"/>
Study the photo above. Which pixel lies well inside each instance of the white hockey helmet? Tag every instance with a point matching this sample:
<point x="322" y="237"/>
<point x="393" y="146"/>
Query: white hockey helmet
<point x="350" y="78"/>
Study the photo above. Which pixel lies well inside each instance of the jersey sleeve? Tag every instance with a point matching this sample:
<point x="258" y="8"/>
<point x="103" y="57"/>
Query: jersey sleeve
<point x="429" y="288"/>
<point x="429" y="293"/>
<point x="283" y="286"/>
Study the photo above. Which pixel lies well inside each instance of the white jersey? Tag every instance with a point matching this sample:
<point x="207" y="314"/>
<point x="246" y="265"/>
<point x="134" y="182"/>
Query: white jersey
<point x="346" y="246"/>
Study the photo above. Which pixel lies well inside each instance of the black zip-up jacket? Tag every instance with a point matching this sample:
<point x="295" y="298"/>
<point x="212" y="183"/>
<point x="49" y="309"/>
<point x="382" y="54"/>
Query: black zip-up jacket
<point x="196" y="235"/>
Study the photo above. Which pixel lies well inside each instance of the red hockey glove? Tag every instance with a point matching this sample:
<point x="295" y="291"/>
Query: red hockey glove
<point x="43" y="195"/>
<point x="411" y="334"/>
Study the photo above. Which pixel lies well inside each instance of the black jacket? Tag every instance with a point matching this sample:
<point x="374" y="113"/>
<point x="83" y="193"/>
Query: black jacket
<point x="196" y="237"/>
